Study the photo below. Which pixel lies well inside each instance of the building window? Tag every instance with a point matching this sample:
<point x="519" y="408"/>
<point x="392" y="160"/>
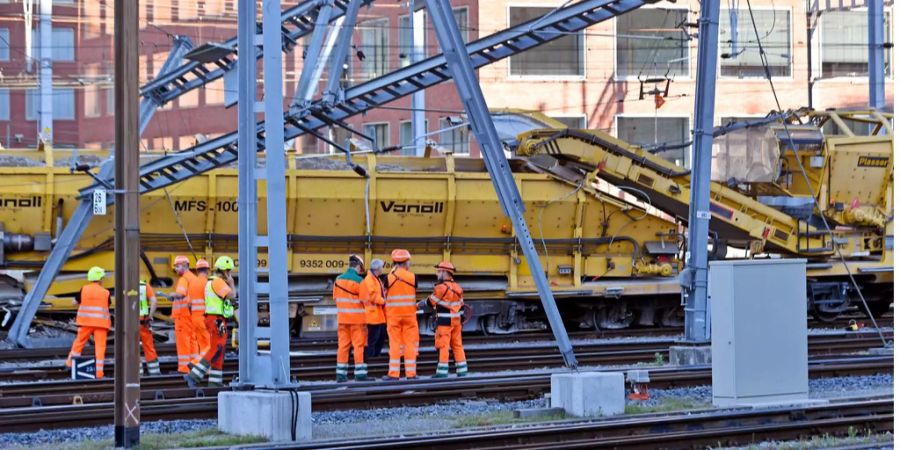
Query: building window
<point x="845" y="44"/>
<point x="4" y="104"/>
<point x="62" y="42"/>
<point x="404" y="31"/>
<point x="378" y="132"/>
<point x="561" y="57"/>
<point x="406" y="138"/>
<point x="650" y="42"/>
<point x="63" y="104"/>
<point x="374" y="48"/>
<point x="111" y="101"/>
<point x="576" y="122"/>
<point x="656" y="132"/>
<point x="455" y="140"/>
<point x="461" y="15"/>
<point x="774" y="28"/>
<point x="93" y="99"/>
<point x="4" y="44"/>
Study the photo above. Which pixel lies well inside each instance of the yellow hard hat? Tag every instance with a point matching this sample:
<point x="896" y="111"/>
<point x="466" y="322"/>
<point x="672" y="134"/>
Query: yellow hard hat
<point x="224" y="263"/>
<point x="96" y="274"/>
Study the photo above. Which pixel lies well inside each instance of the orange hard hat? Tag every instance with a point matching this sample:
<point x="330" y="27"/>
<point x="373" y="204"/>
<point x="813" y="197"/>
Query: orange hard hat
<point x="446" y="265"/>
<point x="181" y="259"/>
<point x="202" y="264"/>
<point x="400" y="255"/>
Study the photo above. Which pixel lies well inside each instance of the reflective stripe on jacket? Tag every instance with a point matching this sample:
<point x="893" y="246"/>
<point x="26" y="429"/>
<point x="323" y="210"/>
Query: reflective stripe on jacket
<point x="94" y="308"/>
<point x="181" y="309"/>
<point x="447" y="299"/>
<point x="400" y="298"/>
<point x="197" y="294"/>
<point x="350" y="309"/>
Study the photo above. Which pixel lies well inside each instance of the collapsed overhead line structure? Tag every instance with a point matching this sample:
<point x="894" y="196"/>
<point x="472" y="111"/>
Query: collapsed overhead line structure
<point x="223" y="150"/>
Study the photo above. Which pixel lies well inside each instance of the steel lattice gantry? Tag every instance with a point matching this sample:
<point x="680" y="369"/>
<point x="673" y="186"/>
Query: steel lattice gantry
<point x="334" y="109"/>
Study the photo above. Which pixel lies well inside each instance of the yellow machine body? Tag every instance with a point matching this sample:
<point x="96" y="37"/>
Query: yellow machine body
<point x="596" y="206"/>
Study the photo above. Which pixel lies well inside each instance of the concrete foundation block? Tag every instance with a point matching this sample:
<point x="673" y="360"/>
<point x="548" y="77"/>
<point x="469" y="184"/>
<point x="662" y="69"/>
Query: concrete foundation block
<point x="588" y="393"/>
<point x="689" y="355"/>
<point x="265" y="413"/>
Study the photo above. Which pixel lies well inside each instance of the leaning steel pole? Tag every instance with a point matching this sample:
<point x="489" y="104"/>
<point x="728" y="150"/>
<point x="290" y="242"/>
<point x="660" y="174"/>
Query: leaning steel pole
<point x="127" y="239"/>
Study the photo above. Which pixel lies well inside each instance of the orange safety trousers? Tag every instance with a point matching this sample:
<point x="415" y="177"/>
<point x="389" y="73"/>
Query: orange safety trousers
<point x="355" y="335"/>
<point x="147" y="343"/>
<point x="403" y="340"/>
<point x="217" y="342"/>
<point x="447" y="337"/>
<point x="201" y="334"/>
<point x="84" y="333"/>
<point x="185" y="343"/>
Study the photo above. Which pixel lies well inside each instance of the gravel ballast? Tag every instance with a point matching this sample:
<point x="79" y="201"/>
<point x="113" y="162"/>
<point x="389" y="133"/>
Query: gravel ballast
<point x="443" y="417"/>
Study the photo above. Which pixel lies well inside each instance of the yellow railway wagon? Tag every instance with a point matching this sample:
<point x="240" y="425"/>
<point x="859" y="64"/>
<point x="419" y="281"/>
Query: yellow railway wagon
<point x="609" y="262"/>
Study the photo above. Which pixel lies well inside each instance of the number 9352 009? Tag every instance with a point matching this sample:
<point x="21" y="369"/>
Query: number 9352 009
<point x="322" y="264"/>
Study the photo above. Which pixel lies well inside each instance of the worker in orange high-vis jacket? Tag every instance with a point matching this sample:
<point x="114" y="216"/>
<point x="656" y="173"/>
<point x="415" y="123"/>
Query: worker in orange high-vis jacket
<point x="400" y="311"/>
<point x="447" y="300"/>
<point x="92" y="318"/>
<point x="148" y="309"/>
<point x="220" y="294"/>
<point x="371" y="292"/>
<point x="351" y="319"/>
<point x="197" y="294"/>
<point x="185" y="342"/>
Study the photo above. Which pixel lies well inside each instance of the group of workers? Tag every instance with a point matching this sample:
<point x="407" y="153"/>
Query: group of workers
<point x="370" y="303"/>
<point x="370" y="307"/>
<point x="201" y="306"/>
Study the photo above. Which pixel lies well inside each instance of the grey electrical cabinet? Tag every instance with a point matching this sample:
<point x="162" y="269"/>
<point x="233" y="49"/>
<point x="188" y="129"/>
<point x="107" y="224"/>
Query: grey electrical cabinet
<point x="759" y="347"/>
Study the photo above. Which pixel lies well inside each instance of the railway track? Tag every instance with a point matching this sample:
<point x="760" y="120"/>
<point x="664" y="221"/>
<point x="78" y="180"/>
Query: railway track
<point x="652" y="431"/>
<point x="325" y="343"/>
<point x="313" y="365"/>
<point x="177" y="403"/>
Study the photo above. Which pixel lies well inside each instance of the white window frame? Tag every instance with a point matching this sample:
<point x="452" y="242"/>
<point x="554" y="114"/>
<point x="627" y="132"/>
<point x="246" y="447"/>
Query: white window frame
<point x="56" y="118"/>
<point x="688" y="156"/>
<point x="387" y="60"/>
<point x="5" y="110"/>
<point x="6" y="42"/>
<point x="387" y="130"/>
<point x="400" y="132"/>
<point x="821" y="61"/>
<point x="468" y="142"/>
<point x="792" y="57"/>
<point x="690" y="54"/>
<point x="35" y="43"/>
<point x="511" y="76"/>
<point x="468" y="29"/>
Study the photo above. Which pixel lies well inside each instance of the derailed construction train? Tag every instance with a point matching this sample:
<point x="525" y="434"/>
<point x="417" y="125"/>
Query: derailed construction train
<point x="606" y="216"/>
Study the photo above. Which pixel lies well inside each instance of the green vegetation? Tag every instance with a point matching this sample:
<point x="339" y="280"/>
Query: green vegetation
<point x="665" y="405"/>
<point x="156" y="441"/>
<point x="825" y="441"/>
<point x="500" y="418"/>
<point x="659" y="359"/>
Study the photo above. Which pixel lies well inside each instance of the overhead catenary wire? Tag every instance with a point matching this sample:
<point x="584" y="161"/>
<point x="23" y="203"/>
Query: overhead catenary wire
<point x="795" y="151"/>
